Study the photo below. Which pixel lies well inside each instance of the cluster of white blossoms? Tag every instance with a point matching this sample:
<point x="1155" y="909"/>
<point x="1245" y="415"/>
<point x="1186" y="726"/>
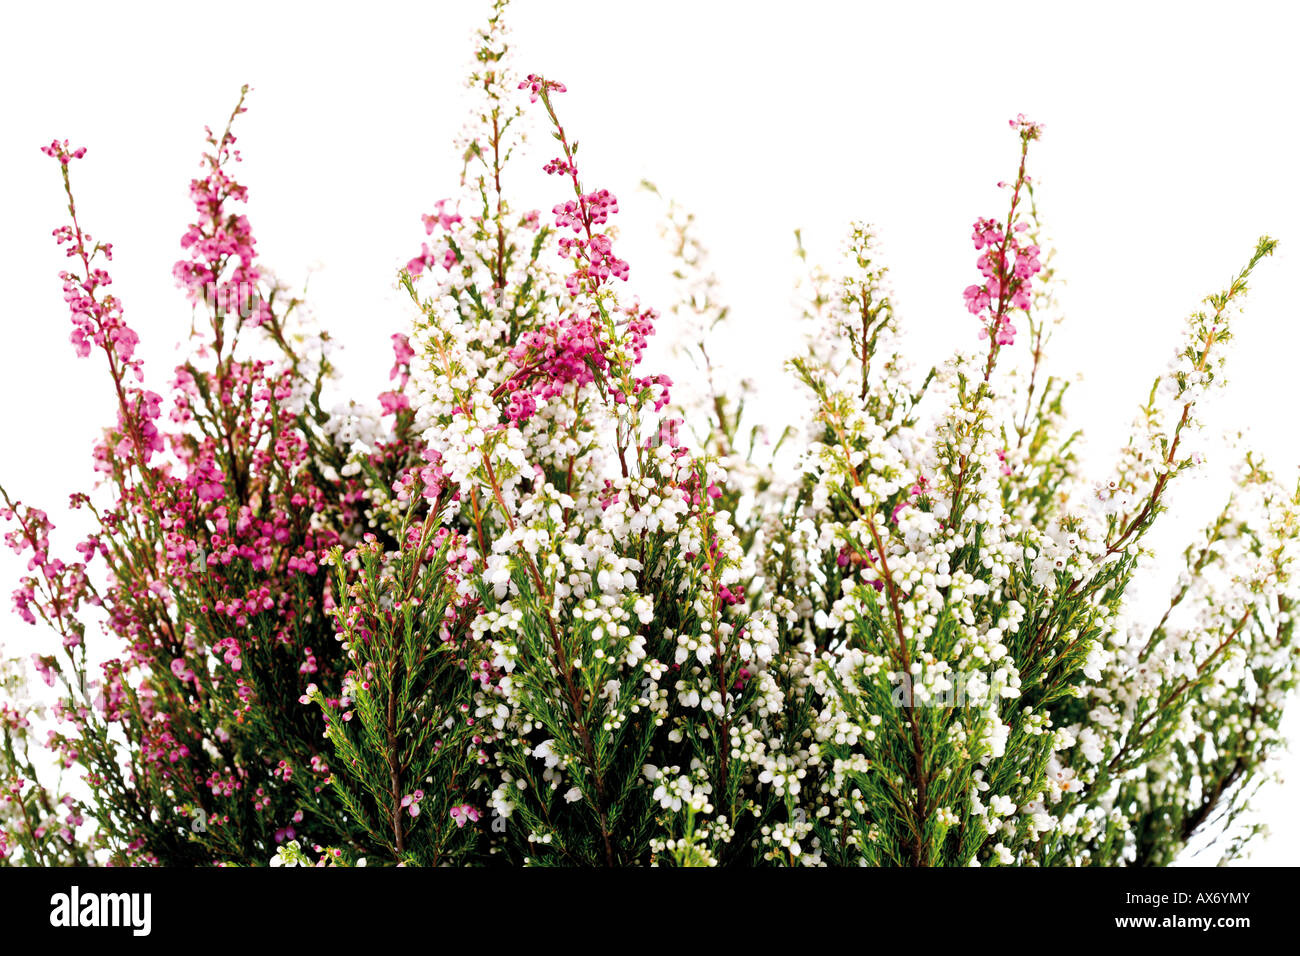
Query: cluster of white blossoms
<point x="1224" y="638"/>
<point x="964" y="588"/>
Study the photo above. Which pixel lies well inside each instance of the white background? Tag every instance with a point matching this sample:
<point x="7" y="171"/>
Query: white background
<point x="1171" y="143"/>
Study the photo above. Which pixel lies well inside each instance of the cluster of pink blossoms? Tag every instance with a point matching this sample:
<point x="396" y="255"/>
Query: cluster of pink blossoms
<point x="464" y="813"/>
<point x="219" y="238"/>
<point x="1007" y="266"/>
<point x="233" y="539"/>
<point x="594" y="259"/>
<point x="593" y="252"/>
<point x="1025" y="126"/>
<point x="96" y="317"/>
<point x="412" y="802"/>
<point x="1007" y="260"/>
<point x="63" y="585"/>
<point x="62" y="152"/>
<point x="395" y="400"/>
<point x="431" y="256"/>
<point x="572" y="349"/>
<point x="536" y="84"/>
<point x="562" y="352"/>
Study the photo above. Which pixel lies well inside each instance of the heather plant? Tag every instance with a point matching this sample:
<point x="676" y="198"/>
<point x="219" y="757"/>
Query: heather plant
<point x="190" y="738"/>
<point x="539" y="604"/>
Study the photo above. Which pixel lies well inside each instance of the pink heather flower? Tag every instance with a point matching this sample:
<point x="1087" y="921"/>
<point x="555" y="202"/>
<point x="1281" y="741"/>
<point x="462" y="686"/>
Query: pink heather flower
<point x="412" y="802"/>
<point x="1025" y="126"/>
<point x="535" y="84"/>
<point x="428" y="258"/>
<point x="1005" y="334"/>
<point x="1008" y="265"/>
<point x="977" y="299"/>
<point x="464" y="813"/>
<point x="658" y="388"/>
<point x="567" y="214"/>
<point x="420" y="262"/>
<point x="393" y="402"/>
<point x="61" y="152"/>
<point x="987" y="232"/>
<point x="551" y="357"/>
<point x="440" y="218"/>
<point x="221" y="271"/>
<point x="402" y="353"/>
<point x="44" y="666"/>
<point x="181" y="668"/>
<point x="731" y="595"/>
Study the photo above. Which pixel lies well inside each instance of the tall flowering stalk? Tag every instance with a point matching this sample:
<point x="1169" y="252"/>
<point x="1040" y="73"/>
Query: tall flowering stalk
<point x="536" y="605"/>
